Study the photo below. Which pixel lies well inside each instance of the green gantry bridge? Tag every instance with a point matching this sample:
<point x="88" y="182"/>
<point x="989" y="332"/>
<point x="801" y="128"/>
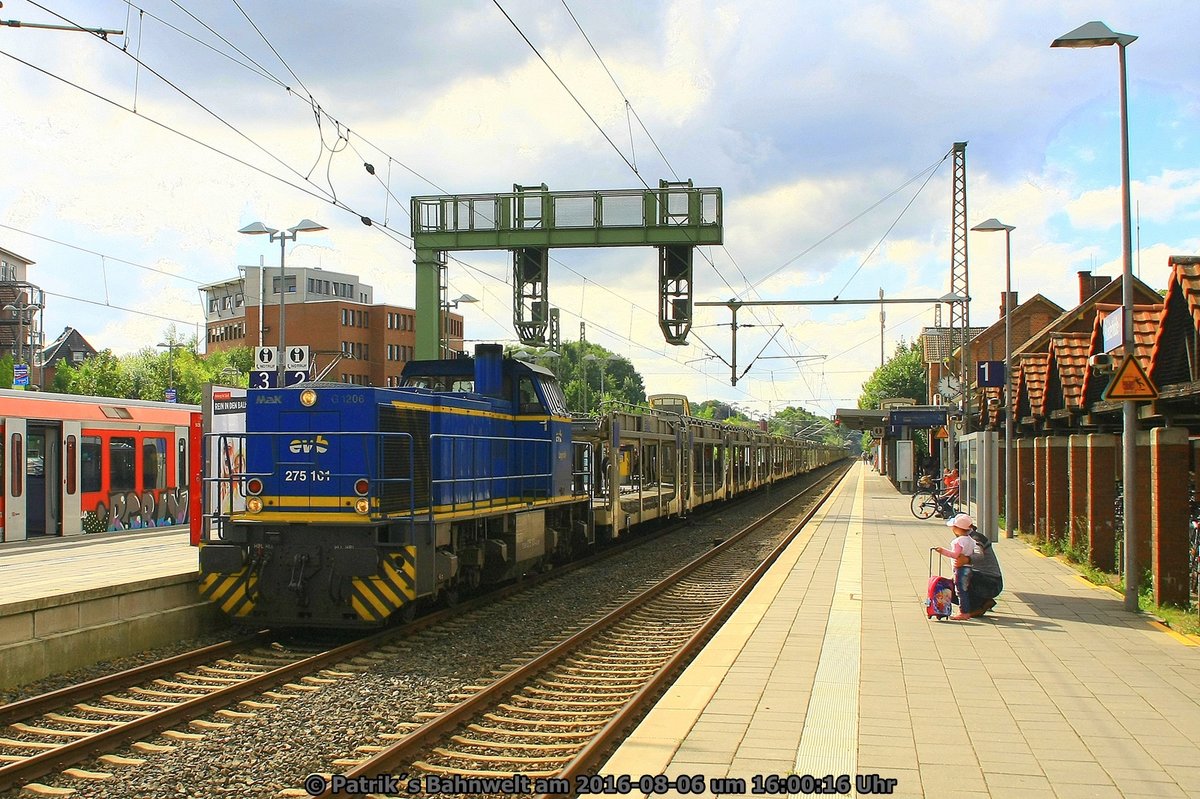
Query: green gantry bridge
<point x="529" y="221"/>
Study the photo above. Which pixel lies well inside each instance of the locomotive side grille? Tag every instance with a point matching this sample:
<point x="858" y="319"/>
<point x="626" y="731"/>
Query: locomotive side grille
<point x="399" y="488"/>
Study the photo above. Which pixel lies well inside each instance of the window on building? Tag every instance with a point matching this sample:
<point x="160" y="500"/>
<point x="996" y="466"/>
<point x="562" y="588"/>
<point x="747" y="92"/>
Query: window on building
<point x="212" y="304"/>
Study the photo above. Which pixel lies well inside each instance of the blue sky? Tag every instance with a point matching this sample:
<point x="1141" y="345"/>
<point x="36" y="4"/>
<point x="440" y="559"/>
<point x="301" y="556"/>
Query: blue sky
<point x="805" y="114"/>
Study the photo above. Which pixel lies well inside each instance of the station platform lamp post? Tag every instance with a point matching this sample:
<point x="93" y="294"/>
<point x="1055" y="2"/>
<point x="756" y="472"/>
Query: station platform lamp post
<point x="443" y="335"/>
<point x="170" y="347"/>
<point x="1097" y="34"/>
<point x="990" y="226"/>
<point x="259" y="229"/>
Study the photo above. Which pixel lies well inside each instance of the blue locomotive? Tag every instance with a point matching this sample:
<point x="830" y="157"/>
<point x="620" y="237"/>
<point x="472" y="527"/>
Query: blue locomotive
<point x="360" y="504"/>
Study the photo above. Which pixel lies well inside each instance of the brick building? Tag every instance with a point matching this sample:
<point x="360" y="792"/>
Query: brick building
<point x="333" y="313"/>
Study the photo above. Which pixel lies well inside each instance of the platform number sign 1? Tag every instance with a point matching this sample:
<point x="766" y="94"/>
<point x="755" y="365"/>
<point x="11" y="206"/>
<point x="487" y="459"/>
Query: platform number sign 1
<point x="989" y="374"/>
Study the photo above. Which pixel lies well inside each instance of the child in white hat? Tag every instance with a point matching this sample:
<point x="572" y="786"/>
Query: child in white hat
<point x="960" y="551"/>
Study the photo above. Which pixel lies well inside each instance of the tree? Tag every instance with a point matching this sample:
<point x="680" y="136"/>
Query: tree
<point x="580" y="377"/>
<point x="902" y="376"/>
<point x="98" y="376"/>
<point x="149" y="372"/>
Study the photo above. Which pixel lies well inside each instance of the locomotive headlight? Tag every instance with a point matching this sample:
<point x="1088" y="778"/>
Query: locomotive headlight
<point x="254" y="504"/>
<point x="308" y="398"/>
<point x="361" y="505"/>
<point x="254" y="486"/>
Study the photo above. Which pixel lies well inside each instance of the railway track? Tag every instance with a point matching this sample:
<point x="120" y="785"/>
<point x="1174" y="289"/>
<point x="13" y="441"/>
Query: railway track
<point x="187" y="696"/>
<point x="559" y="713"/>
<point x="54" y="731"/>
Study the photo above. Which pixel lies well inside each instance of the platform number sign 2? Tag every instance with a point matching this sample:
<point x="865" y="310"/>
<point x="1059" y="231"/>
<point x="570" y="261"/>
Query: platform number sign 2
<point x="989" y="374"/>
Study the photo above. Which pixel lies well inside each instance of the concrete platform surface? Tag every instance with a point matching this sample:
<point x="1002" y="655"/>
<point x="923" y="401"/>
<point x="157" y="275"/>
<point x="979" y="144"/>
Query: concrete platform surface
<point x="831" y="668"/>
<point x="51" y="567"/>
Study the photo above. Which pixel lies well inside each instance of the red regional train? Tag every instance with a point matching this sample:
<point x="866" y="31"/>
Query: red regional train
<point x="75" y="464"/>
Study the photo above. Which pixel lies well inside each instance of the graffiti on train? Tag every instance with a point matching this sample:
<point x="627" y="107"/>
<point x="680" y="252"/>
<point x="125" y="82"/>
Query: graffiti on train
<point x="129" y="510"/>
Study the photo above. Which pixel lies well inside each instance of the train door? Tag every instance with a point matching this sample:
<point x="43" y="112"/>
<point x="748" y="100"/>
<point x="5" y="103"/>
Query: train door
<point x="72" y="505"/>
<point x="181" y="489"/>
<point x="43" y="501"/>
<point x="14" y="479"/>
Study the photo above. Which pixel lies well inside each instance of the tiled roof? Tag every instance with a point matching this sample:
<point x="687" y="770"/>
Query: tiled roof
<point x="1031" y="385"/>
<point x="1180" y="320"/>
<point x="989" y="402"/>
<point x="1065" y="371"/>
<point x="1146" y="322"/>
<point x="1109" y="296"/>
<point x="1029" y="305"/>
<point x="940" y="342"/>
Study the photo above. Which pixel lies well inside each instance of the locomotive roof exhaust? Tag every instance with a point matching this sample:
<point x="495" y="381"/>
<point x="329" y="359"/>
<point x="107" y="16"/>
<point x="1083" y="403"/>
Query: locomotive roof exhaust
<point x="489" y="369"/>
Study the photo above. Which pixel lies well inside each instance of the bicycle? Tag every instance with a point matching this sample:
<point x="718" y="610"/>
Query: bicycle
<point x="928" y="500"/>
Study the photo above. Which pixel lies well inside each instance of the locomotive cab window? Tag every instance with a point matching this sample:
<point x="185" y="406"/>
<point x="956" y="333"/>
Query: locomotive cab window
<point x="555" y="398"/>
<point x="527" y="398"/>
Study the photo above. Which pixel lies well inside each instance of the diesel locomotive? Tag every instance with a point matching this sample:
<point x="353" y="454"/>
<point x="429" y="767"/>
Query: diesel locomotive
<point x="362" y="504"/>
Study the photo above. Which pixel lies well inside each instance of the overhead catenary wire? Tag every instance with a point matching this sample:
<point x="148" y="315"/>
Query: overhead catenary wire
<point x="347" y="135"/>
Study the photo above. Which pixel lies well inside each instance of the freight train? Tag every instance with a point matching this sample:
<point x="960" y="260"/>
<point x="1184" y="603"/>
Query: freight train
<point x="362" y="504"/>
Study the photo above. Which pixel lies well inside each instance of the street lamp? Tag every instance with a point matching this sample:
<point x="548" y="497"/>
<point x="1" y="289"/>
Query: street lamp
<point x="259" y="229"/>
<point x="170" y="346"/>
<point x="989" y="226"/>
<point x="1097" y="34"/>
<point x="443" y="336"/>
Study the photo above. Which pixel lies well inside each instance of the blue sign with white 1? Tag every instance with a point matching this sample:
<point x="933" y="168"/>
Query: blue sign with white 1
<point x="989" y="374"/>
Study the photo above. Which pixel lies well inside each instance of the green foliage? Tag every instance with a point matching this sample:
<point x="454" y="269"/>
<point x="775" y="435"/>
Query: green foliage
<point x="149" y="372"/>
<point x="721" y="412"/>
<point x="6" y="371"/>
<point x="580" y="378"/>
<point x="902" y="376"/>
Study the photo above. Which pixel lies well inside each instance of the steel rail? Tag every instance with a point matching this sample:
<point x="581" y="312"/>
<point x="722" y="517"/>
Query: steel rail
<point x="590" y="756"/>
<point x="424" y="735"/>
<point x="37" y="705"/>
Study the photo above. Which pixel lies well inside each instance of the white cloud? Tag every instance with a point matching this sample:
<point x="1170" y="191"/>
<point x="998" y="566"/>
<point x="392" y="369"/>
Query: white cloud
<point x="804" y="114"/>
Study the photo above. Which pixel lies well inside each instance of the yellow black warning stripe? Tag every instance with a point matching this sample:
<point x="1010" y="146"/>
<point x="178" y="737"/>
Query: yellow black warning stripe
<point x="376" y="597"/>
<point x="234" y="593"/>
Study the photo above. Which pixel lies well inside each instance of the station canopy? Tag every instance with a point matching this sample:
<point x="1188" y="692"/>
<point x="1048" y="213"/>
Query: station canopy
<point x="892" y="419"/>
<point x="855" y="419"/>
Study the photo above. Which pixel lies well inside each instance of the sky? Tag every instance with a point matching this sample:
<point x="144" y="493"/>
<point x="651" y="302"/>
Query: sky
<point x="130" y="163"/>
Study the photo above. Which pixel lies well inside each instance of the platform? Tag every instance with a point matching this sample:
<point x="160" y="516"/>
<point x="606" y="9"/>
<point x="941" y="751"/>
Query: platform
<point x="70" y="602"/>
<point x="830" y="667"/>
